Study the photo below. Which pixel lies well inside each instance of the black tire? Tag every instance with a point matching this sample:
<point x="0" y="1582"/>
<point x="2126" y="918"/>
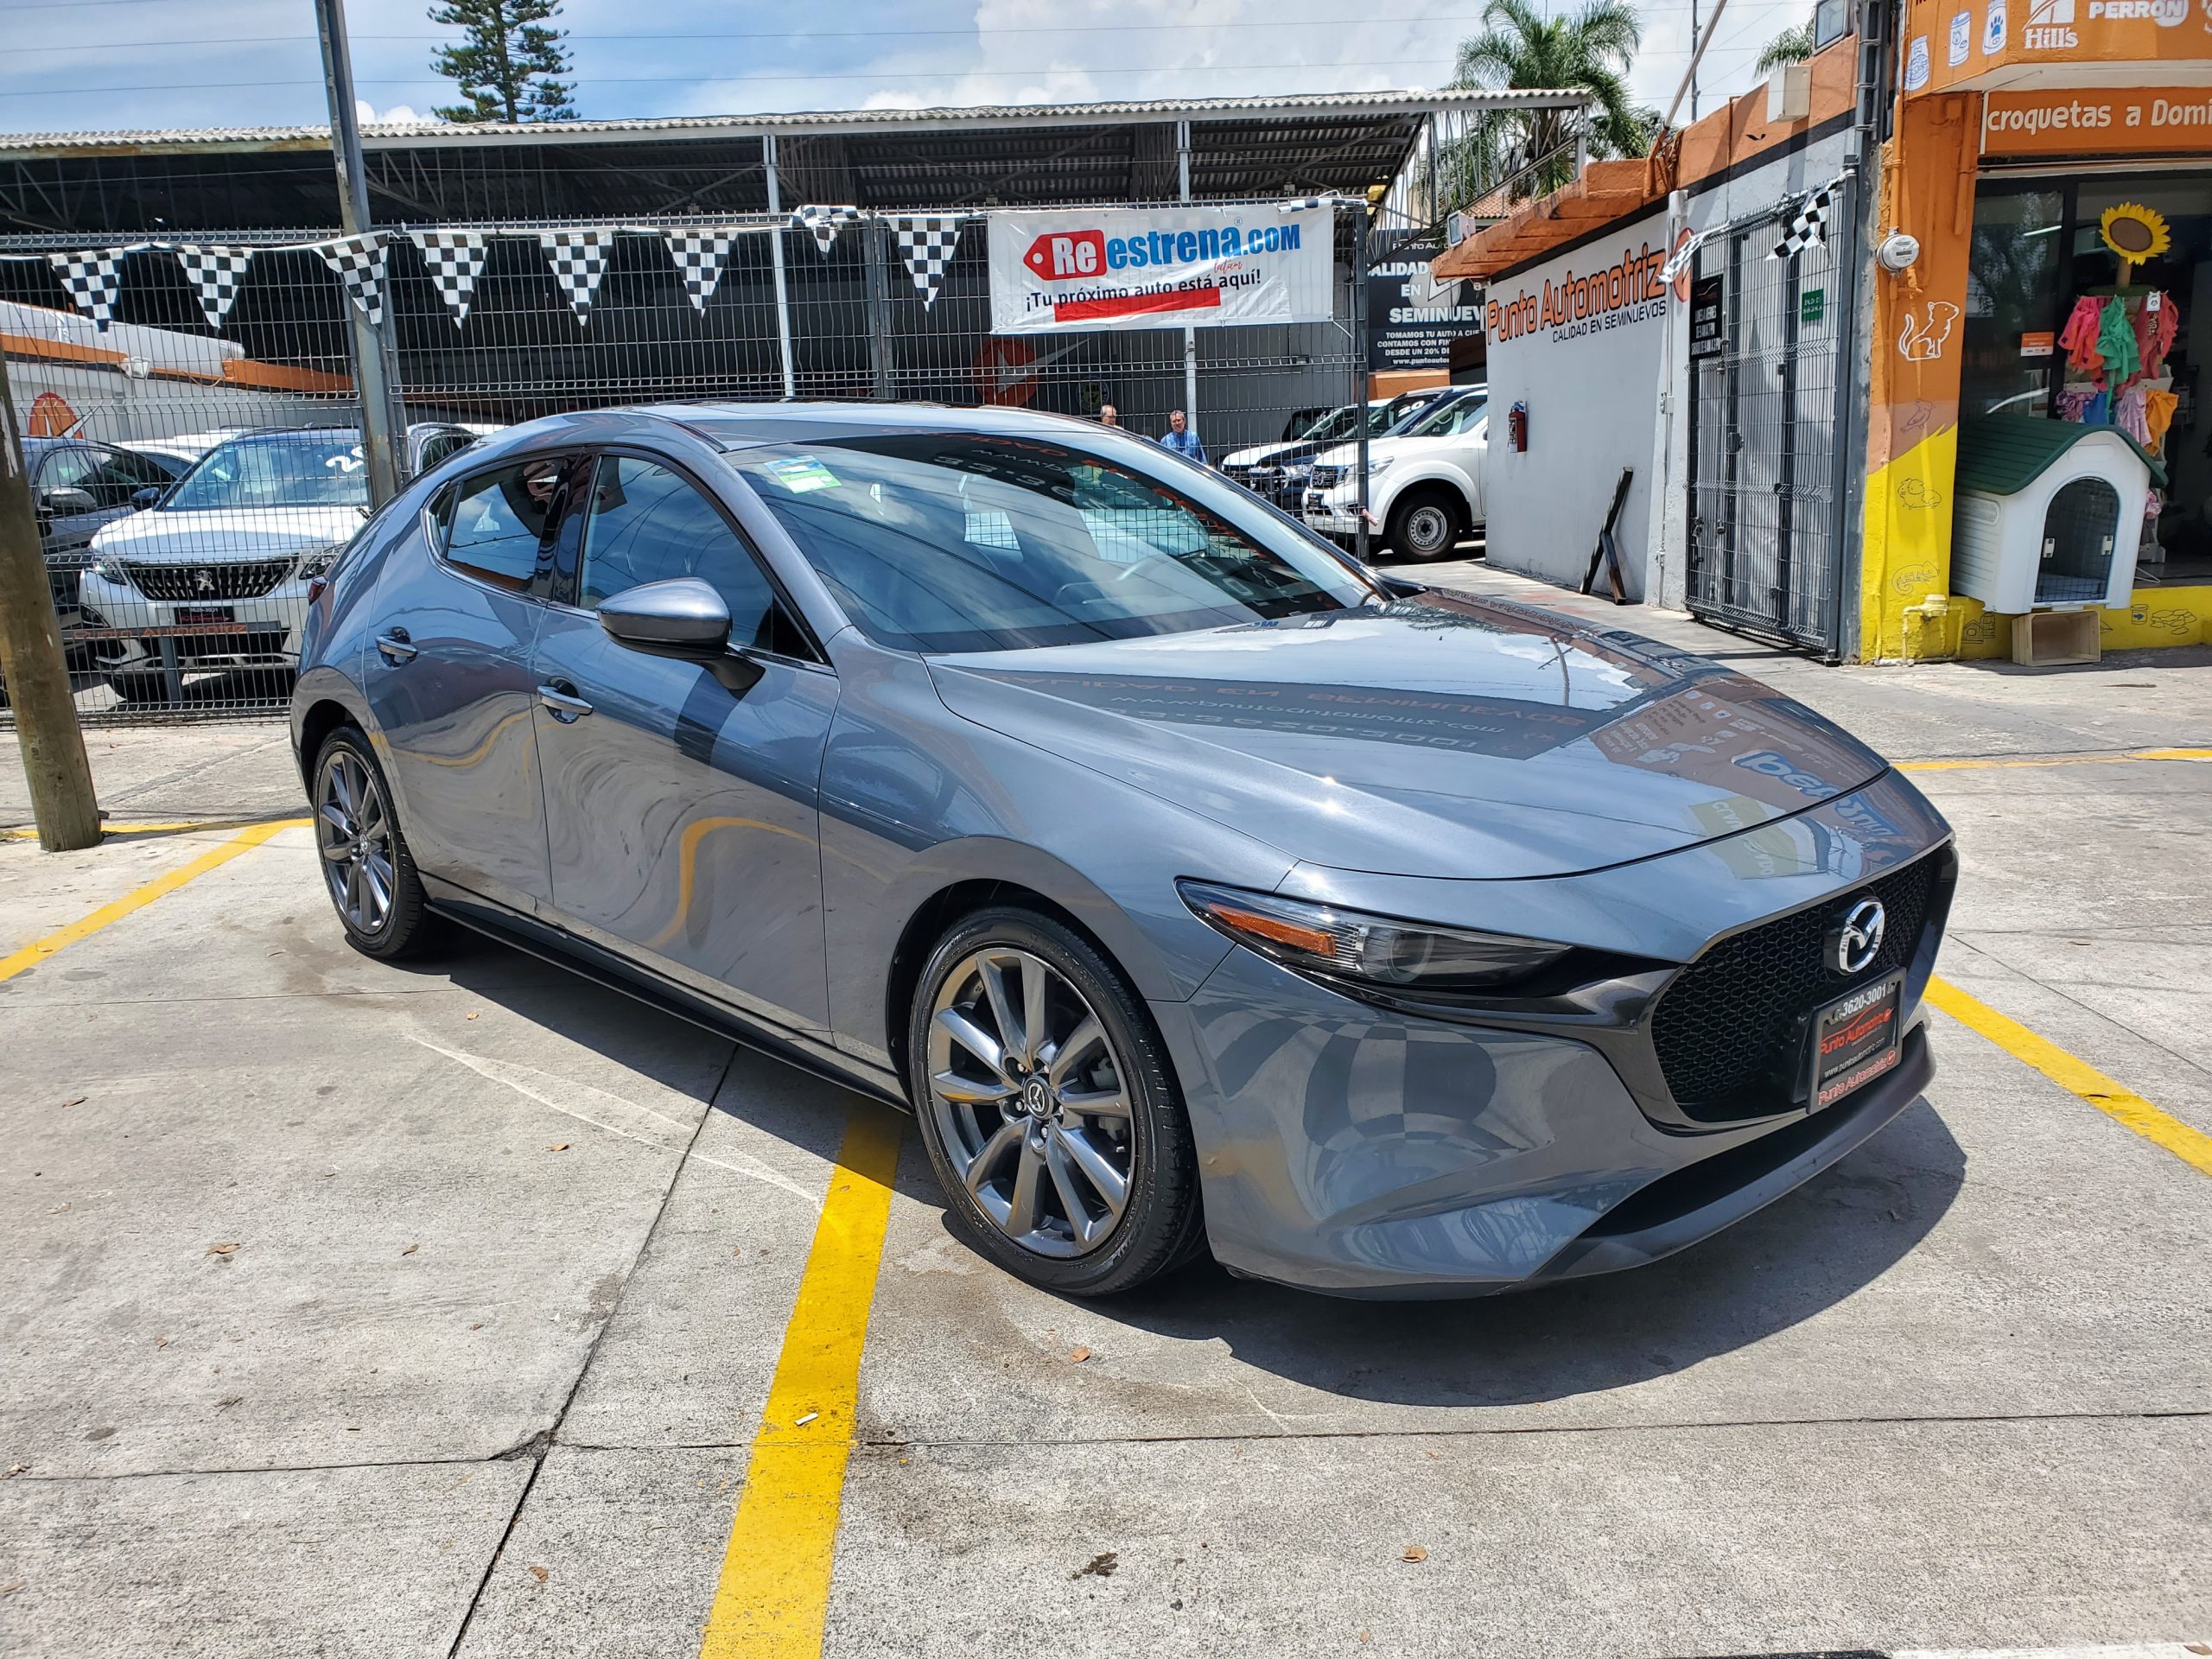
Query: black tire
<point x="140" y="687"/>
<point x="1427" y="522"/>
<point x="1161" y="1224"/>
<point x="406" y="925"/>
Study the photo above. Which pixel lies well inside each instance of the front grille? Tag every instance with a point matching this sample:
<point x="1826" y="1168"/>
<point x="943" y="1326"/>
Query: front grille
<point x="1726" y="1028"/>
<point x="1327" y="477"/>
<point x="188" y="584"/>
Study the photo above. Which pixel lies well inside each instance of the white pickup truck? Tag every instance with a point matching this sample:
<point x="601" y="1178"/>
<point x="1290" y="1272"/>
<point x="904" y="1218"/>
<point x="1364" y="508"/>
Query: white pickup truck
<point x="1425" y="483"/>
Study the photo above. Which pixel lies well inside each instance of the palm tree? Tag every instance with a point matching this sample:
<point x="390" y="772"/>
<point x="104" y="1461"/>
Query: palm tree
<point x="1791" y="45"/>
<point x="1530" y="151"/>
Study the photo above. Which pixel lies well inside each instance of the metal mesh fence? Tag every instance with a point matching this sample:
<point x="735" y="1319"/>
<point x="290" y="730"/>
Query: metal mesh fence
<point x="201" y="457"/>
<point x="1765" y="483"/>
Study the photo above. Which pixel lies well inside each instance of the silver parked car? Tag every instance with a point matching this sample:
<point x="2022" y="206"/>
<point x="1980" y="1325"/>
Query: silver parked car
<point x="1197" y="888"/>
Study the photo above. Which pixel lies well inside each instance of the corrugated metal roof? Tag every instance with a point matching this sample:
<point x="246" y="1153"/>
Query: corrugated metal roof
<point x="28" y="145"/>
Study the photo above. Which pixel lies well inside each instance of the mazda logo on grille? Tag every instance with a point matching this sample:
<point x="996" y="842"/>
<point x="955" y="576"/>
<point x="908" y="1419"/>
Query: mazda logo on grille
<point x="203" y="581"/>
<point x="1857" y="938"/>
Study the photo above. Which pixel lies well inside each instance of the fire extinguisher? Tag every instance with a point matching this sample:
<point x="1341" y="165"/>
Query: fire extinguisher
<point x="1517" y="427"/>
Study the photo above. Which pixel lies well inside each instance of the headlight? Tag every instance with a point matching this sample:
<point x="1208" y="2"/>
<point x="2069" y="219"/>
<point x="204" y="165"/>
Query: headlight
<point x="108" y="567"/>
<point x="1375" y="466"/>
<point x="316" y="562"/>
<point x="1378" y="950"/>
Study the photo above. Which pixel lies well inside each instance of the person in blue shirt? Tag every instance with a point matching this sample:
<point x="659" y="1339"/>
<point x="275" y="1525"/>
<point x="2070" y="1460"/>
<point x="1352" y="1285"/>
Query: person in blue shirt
<point x="1183" y="441"/>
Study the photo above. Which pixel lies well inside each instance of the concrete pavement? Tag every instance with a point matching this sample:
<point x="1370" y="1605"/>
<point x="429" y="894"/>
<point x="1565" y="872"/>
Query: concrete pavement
<point x="514" y="1262"/>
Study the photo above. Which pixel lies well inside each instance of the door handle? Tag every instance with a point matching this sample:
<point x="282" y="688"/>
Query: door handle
<point x="394" y="643"/>
<point x="561" y="698"/>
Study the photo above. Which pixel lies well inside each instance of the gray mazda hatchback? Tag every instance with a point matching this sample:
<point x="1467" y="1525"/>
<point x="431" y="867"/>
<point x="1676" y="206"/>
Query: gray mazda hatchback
<point x="1197" y="888"/>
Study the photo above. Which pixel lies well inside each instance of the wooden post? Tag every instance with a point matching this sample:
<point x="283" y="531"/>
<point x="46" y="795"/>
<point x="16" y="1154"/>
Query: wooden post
<point x="62" y="803"/>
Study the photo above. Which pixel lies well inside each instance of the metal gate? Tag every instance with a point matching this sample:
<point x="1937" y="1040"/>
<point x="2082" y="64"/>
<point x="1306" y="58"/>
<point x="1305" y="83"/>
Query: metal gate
<point x="1767" y="431"/>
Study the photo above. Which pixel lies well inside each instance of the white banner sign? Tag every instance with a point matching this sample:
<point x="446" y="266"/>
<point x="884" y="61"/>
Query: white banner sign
<point x="1159" y="268"/>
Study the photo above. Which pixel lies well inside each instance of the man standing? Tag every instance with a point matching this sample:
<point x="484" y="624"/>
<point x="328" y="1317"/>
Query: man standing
<point x="1183" y="441"/>
<point x="1108" y="415"/>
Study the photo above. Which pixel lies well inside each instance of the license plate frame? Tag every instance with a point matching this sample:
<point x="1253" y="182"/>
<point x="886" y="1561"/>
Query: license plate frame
<point x="1854" y="1039"/>
<point x="187" y="615"/>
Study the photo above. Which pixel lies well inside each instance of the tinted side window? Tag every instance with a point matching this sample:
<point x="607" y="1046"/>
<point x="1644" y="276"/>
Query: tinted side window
<point x="649" y="523"/>
<point x="68" y="469"/>
<point x="496" y="521"/>
<point x="121" y="474"/>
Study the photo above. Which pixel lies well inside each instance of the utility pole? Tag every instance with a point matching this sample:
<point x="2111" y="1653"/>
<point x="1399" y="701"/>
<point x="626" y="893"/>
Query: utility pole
<point x="1693" y="60"/>
<point x="62" y="803"/>
<point x="375" y="364"/>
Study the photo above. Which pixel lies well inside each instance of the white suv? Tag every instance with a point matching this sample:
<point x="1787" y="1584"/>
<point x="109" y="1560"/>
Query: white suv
<point x="1425" y="483"/>
<point x="214" y="575"/>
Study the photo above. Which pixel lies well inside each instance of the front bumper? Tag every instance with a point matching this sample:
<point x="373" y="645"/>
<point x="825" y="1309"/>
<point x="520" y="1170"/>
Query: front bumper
<point x="1369" y="1151"/>
<point x="1333" y="512"/>
<point x="258" y="631"/>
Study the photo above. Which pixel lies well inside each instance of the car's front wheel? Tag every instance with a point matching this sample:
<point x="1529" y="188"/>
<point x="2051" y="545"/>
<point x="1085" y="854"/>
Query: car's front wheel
<point x="1049" y="1109"/>
<point x="1426" y="524"/>
<point x="367" y="868"/>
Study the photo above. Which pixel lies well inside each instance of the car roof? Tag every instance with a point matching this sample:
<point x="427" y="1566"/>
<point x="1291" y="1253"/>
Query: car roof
<point x="732" y="424"/>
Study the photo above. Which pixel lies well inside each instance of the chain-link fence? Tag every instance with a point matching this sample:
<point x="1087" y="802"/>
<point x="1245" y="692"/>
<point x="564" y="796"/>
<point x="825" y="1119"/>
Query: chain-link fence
<point x="199" y="458"/>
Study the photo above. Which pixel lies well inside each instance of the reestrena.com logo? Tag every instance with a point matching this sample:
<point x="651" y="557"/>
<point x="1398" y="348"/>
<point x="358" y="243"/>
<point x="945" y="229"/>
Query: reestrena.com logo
<point x="1072" y="255"/>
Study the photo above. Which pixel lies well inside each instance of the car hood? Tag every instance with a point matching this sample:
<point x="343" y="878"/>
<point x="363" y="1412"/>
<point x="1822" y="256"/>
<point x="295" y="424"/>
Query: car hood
<point x="252" y="533"/>
<point x="1395" y="448"/>
<point x="1442" y="736"/>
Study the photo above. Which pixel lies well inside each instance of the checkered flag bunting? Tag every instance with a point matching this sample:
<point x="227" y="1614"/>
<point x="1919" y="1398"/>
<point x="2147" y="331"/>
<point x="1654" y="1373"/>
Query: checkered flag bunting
<point x="823" y="223"/>
<point x="453" y="259"/>
<point x="1807" y="226"/>
<point x="216" y="274"/>
<point x="92" y="278"/>
<point x="360" y="263"/>
<point x="579" y="260"/>
<point x="926" y="242"/>
<point x="699" y="257"/>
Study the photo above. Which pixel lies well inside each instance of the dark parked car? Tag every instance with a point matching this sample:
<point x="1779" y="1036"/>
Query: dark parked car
<point x="77" y="486"/>
<point x="1196" y="887"/>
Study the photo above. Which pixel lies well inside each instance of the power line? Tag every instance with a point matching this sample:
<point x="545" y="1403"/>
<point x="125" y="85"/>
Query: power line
<point x="662" y="80"/>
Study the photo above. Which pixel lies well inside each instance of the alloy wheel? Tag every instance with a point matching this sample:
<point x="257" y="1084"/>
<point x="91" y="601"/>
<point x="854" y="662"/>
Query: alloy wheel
<point x="352" y="829"/>
<point x="1031" y="1102"/>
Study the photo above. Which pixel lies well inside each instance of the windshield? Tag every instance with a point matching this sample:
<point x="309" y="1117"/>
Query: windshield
<point x="956" y="542"/>
<point x="1449" y="420"/>
<point x="1337" y="423"/>
<point x="282" y="469"/>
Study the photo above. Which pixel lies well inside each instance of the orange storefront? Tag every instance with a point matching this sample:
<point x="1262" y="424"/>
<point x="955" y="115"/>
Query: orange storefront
<point x="2036" y="147"/>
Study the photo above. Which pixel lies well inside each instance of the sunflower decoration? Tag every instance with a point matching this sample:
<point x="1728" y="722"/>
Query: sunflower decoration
<point x="2134" y="233"/>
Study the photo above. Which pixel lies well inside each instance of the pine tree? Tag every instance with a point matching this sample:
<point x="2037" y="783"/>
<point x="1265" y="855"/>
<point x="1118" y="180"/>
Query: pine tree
<point x="508" y="67"/>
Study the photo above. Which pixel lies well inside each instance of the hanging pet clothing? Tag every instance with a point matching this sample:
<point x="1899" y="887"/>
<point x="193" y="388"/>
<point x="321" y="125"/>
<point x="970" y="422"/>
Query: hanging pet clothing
<point x="2080" y="336"/>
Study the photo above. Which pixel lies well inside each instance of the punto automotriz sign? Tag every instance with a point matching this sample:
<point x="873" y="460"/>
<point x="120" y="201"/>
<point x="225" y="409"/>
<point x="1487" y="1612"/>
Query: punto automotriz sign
<point x="1159" y="268"/>
<point x="1604" y="286"/>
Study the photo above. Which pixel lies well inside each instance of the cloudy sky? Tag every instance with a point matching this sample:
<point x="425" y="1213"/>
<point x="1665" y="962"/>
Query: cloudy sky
<point x="95" y="65"/>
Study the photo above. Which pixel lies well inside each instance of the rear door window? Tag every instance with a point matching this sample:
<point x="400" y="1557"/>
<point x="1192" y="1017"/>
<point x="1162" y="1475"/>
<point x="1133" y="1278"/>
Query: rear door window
<point x="498" y="526"/>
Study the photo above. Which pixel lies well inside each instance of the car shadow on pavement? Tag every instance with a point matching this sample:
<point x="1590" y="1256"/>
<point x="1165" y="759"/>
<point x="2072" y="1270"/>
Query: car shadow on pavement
<point x="1799" y="1256"/>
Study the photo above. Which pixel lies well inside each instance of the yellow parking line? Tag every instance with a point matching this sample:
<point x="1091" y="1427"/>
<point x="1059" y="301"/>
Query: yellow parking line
<point x="26" y="832"/>
<point x="774" y="1591"/>
<point x="1989" y="763"/>
<point x="38" y="950"/>
<point x="2122" y="1105"/>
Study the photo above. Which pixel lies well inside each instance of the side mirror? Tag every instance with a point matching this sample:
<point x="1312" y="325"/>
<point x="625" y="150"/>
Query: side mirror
<point x="67" y="503"/>
<point x="683" y="618"/>
<point x="142" y="498"/>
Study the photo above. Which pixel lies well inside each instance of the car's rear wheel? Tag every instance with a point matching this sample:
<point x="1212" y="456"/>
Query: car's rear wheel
<point x="367" y="868"/>
<point x="1425" y="523"/>
<point x="1049" y="1109"/>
